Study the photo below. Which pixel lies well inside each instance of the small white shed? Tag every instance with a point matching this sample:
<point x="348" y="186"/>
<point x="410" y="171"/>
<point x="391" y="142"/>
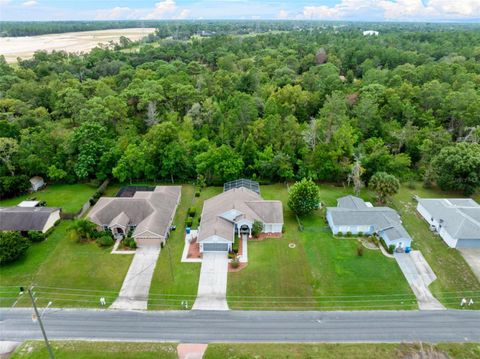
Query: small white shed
<point x="37" y="182"/>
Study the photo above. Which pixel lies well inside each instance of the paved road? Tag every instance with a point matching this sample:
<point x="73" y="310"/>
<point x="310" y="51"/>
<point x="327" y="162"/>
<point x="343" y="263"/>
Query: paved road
<point x="245" y="326"/>
<point x="135" y="287"/>
<point x="212" y="286"/>
<point x="419" y="276"/>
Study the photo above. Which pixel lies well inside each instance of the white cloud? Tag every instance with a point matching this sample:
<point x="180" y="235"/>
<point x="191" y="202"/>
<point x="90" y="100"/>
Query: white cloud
<point x="30" y="3"/>
<point x="117" y="13"/>
<point x="395" y="10"/>
<point x="282" y="14"/>
<point x="183" y="14"/>
<point x="163" y="9"/>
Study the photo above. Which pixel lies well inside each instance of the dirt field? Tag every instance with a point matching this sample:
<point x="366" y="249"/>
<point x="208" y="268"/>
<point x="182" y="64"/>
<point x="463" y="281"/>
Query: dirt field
<point x="25" y="46"/>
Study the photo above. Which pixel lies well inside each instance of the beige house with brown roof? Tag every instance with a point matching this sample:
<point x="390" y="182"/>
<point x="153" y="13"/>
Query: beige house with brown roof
<point x="234" y="212"/>
<point x="148" y="213"/>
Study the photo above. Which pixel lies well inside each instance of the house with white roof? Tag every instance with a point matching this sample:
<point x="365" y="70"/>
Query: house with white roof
<point x="354" y="215"/>
<point x="457" y="220"/>
<point x="233" y="212"/>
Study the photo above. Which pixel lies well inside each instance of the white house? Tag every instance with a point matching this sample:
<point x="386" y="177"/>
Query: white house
<point x="370" y="33"/>
<point x="234" y="212"/>
<point x="37" y="182"/>
<point x="354" y="215"/>
<point x="457" y="220"/>
<point x="24" y="219"/>
<point x="148" y="214"/>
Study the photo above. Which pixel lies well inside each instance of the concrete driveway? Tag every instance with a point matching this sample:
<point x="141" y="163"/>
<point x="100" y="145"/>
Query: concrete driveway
<point x="135" y="287"/>
<point x="472" y="256"/>
<point x="419" y="276"/>
<point x="212" y="287"/>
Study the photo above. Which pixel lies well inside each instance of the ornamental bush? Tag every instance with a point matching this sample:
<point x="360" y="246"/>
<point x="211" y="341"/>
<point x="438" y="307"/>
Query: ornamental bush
<point x="12" y="246"/>
<point x="35" y="236"/>
<point x="192" y="211"/>
<point x="105" y="240"/>
<point x="130" y="243"/>
<point x="257" y="228"/>
<point x="303" y="197"/>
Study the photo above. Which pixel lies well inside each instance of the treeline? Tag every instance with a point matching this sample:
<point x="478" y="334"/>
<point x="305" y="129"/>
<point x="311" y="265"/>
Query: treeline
<point x="32" y="28"/>
<point x="184" y="29"/>
<point x="329" y="104"/>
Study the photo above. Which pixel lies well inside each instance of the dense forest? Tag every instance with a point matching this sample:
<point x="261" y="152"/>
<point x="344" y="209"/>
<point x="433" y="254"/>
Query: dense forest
<point x="322" y="102"/>
<point x="177" y="29"/>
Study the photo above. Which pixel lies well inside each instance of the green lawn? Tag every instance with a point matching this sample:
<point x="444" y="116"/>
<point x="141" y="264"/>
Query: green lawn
<point x="334" y="351"/>
<point x="321" y="272"/>
<point x="96" y="350"/>
<point x="174" y="281"/>
<point x="453" y="273"/>
<point x="65" y="272"/>
<point x="70" y="197"/>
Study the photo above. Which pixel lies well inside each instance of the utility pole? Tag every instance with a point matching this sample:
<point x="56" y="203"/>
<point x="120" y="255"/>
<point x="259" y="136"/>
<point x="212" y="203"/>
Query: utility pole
<point x="50" y="352"/>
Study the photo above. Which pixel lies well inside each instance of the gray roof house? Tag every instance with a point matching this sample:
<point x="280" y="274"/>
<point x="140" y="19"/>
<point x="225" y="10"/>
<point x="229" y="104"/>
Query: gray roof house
<point x="25" y="219"/>
<point x="233" y="212"/>
<point x="457" y="220"/>
<point x="148" y="213"/>
<point x="354" y="215"/>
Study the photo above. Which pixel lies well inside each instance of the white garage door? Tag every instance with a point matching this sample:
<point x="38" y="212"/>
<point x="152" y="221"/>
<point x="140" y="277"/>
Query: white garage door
<point x="215" y="247"/>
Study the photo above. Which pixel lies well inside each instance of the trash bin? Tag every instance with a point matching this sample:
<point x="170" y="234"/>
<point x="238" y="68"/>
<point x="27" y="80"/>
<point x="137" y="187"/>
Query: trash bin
<point x="407" y="250"/>
<point x="188" y="230"/>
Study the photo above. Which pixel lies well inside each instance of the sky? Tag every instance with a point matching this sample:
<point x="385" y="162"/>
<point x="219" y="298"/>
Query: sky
<point x="351" y="10"/>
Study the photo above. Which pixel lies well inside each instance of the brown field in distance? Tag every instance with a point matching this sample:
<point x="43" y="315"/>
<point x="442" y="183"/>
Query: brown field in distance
<point x="82" y="41"/>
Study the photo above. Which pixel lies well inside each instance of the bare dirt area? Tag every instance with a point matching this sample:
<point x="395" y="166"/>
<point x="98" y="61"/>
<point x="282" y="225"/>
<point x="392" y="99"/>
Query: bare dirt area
<point x="82" y="41"/>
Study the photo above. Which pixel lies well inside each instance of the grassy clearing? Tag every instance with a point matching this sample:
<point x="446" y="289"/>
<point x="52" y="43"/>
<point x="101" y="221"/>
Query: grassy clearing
<point x="334" y="351"/>
<point x="70" y="197"/>
<point x="453" y="273"/>
<point x="174" y="281"/>
<point x="97" y="350"/>
<point x="321" y="272"/>
<point x="76" y="275"/>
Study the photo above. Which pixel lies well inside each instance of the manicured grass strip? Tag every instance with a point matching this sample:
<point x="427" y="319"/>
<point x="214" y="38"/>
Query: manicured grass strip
<point x="67" y="273"/>
<point x="320" y="272"/>
<point x="453" y="273"/>
<point x="334" y="351"/>
<point x="173" y="281"/>
<point x="70" y="197"/>
<point x="97" y="350"/>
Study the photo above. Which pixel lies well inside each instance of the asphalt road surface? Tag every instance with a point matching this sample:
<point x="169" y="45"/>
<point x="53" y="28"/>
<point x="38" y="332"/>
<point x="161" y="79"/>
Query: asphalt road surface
<point x="245" y="326"/>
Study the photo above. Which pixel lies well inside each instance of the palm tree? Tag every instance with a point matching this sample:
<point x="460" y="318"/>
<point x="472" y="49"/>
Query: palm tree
<point x="81" y="230"/>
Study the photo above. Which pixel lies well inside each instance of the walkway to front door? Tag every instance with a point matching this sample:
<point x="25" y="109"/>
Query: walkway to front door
<point x="212" y="287"/>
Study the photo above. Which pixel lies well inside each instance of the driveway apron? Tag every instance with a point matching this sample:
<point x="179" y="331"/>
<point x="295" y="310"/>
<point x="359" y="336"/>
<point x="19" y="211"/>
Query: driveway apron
<point x="472" y="257"/>
<point x="135" y="288"/>
<point x="212" y="287"/>
<point x="419" y="275"/>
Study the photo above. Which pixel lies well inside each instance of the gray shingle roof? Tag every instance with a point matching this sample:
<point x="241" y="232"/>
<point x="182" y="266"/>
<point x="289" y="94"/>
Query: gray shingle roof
<point x="351" y="202"/>
<point x="148" y="211"/>
<point x="220" y="213"/>
<point x="460" y="216"/>
<point x="353" y="211"/>
<point x="25" y="218"/>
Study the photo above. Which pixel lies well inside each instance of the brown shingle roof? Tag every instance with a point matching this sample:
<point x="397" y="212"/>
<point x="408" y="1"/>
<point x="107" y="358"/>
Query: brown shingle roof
<point x="220" y="213"/>
<point x="148" y="211"/>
